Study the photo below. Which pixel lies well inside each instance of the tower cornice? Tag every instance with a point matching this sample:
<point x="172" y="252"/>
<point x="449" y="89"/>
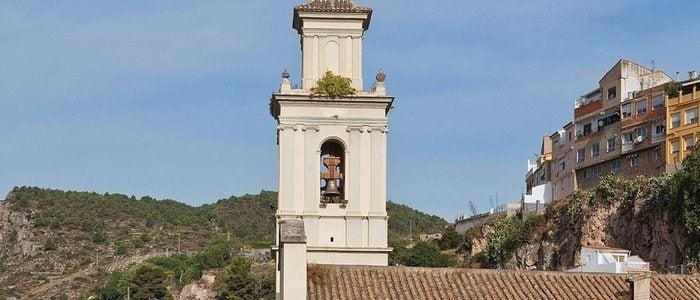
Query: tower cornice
<point x="277" y="99"/>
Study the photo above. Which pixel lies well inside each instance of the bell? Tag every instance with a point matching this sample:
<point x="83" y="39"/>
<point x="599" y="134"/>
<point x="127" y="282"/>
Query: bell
<point x="331" y="189"/>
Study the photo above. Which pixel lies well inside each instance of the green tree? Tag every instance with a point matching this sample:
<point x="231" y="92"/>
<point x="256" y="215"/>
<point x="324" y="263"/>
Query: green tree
<point x="451" y="239"/>
<point x="685" y="189"/>
<point x="423" y="254"/>
<point x="149" y="282"/>
<point x="683" y="204"/>
<point x="241" y="282"/>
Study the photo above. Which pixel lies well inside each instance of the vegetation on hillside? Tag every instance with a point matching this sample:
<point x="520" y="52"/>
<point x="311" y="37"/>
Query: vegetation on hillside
<point x="250" y="218"/>
<point x="158" y="277"/>
<point x="89" y="211"/>
<point x="679" y="196"/>
<point x="86" y="232"/>
<point x="404" y="219"/>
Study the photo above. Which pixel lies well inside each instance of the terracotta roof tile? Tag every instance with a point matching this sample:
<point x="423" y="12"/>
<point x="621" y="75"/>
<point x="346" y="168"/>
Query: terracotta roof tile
<point x="363" y="282"/>
<point x="332" y="6"/>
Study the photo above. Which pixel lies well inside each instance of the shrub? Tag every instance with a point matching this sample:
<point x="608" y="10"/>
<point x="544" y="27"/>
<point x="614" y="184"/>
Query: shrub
<point x="333" y="85"/>
<point x="98" y="237"/>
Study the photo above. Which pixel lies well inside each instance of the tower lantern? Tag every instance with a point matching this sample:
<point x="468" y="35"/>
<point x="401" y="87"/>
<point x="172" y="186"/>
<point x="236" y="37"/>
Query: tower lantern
<point x="331" y="34"/>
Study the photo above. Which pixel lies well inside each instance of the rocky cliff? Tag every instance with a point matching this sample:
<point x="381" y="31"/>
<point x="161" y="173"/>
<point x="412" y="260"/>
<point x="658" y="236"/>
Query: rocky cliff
<point x="619" y="213"/>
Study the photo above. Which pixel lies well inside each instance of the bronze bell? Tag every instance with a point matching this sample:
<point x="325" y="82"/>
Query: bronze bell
<point x="331" y="189"/>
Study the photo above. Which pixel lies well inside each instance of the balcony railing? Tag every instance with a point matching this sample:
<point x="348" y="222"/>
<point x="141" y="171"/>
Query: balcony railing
<point x="636" y="266"/>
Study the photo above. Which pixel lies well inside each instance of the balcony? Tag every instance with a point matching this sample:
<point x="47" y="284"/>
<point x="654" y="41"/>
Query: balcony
<point x="587" y="109"/>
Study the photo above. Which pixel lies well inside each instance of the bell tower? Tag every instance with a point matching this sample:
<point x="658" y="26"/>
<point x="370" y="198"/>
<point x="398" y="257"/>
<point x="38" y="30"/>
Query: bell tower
<point x="333" y="149"/>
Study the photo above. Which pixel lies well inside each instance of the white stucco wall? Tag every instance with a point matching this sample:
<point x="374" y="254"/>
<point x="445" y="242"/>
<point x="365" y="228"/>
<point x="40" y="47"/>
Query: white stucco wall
<point x="541" y="193"/>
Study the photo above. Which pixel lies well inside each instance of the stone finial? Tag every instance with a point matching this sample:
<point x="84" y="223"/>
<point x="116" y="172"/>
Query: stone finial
<point x="379" y="88"/>
<point x="285" y="86"/>
<point x="381" y="76"/>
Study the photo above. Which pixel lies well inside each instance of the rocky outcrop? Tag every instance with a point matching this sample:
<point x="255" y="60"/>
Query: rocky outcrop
<point x="611" y="216"/>
<point x="16" y="231"/>
<point x="204" y="289"/>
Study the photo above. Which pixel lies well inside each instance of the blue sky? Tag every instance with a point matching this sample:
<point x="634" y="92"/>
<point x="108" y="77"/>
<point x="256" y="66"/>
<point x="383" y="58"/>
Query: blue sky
<point x="169" y="98"/>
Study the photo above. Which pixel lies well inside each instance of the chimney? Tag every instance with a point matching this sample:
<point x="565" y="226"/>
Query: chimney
<point x="292" y="259"/>
<point x="640" y="285"/>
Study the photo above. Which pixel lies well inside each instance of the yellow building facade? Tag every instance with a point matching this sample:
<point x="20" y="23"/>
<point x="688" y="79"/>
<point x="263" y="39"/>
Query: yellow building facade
<point x="682" y="125"/>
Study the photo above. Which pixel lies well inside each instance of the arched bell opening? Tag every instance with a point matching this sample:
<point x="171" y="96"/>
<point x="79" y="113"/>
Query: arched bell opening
<point x="332" y="161"/>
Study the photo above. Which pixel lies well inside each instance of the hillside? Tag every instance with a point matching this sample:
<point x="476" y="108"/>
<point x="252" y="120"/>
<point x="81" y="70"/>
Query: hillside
<point x="56" y="242"/>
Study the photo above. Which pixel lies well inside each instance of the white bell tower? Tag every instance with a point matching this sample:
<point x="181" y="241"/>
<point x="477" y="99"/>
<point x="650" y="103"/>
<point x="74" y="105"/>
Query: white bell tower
<point x="333" y="150"/>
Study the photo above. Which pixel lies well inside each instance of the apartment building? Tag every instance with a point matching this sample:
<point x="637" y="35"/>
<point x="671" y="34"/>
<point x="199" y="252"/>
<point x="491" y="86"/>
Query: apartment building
<point x="539" y="171"/>
<point x="597" y="118"/>
<point x="563" y="174"/>
<point x="538" y="181"/>
<point x="643" y="133"/>
<point x="683" y="128"/>
<point x="621" y="127"/>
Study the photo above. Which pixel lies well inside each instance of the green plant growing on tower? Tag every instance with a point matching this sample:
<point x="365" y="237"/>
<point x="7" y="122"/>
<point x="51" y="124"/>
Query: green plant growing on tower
<point x="333" y="85"/>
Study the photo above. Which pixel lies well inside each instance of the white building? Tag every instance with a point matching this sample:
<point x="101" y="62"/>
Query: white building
<point x="609" y="260"/>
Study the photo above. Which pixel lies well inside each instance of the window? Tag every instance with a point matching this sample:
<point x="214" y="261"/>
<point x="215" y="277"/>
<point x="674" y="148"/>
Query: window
<point x="675" y="146"/>
<point x="689" y="143"/>
<point x="615" y="166"/>
<point x="586" y="173"/>
<point x="676" y="120"/>
<point x="587" y="129"/>
<point x="657" y="154"/>
<point x="627" y="137"/>
<point x="659" y="129"/>
<point x="641" y="132"/>
<point x="657" y="102"/>
<point x="641" y="107"/>
<point x="612" y="93"/>
<point x="580" y="155"/>
<point x="627" y="110"/>
<point x="691" y="116"/>
<point x="611" y="145"/>
<point x="562" y="165"/>
<point x="598" y="171"/>
<point x="595" y="150"/>
<point x="634" y="160"/>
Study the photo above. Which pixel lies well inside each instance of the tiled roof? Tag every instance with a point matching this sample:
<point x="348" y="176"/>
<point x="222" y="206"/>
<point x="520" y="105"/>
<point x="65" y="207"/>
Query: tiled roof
<point x="332" y="6"/>
<point x="363" y="282"/>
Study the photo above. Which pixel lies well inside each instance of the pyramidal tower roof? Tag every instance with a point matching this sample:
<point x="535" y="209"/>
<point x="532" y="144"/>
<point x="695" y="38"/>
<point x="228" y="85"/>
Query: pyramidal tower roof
<point x="343" y="6"/>
<point x="330" y="7"/>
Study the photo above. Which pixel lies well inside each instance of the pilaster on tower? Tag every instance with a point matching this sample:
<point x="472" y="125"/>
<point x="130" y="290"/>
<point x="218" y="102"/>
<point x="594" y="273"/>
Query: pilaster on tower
<point x="331" y="33"/>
